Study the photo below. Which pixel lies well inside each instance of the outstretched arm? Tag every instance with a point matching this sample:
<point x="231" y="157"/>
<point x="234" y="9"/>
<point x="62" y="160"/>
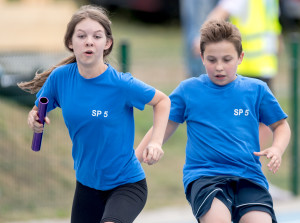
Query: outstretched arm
<point x="281" y="137"/>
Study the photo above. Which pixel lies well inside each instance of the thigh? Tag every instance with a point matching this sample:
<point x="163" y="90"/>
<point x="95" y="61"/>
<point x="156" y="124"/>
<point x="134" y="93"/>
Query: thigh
<point x="256" y="216"/>
<point x="203" y="193"/>
<point x="252" y="200"/>
<point x="218" y="212"/>
<point x="88" y="204"/>
<point x="125" y="203"/>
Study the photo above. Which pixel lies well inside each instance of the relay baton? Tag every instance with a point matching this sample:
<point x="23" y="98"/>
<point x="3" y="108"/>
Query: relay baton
<point x="37" y="137"/>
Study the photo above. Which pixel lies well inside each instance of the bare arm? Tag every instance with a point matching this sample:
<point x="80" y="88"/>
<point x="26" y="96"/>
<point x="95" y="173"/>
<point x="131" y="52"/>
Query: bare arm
<point x="281" y="137"/>
<point x="143" y="153"/>
<point x="218" y="13"/>
<point x="161" y="109"/>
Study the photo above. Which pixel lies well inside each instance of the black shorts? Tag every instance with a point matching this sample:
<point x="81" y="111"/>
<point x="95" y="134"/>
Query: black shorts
<point x="240" y="196"/>
<point x="120" y="205"/>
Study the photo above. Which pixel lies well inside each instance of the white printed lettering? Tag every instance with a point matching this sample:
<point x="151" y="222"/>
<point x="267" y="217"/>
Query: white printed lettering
<point x="236" y="112"/>
<point x="239" y="112"/>
<point x="98" y="113"/>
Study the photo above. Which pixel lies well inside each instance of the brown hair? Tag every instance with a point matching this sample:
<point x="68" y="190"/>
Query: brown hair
<point x="214" y="31"/>
<point x="96" y="13"/>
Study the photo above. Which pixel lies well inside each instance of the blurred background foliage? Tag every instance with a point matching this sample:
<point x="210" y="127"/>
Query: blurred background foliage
<point x="41" y="184"/>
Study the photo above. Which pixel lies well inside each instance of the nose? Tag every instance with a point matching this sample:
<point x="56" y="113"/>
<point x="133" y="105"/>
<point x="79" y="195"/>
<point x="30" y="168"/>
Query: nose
<point x="219" y="67"/>
<point x="89" y="41"/>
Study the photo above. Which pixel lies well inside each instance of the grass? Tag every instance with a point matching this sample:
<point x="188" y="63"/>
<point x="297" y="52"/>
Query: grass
<point x="41" y="184"/>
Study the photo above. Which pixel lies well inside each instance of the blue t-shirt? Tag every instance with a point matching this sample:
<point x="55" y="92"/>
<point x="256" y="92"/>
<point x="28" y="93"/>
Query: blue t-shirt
<point x="222" y="126"/>
<point x="98" y="113"/>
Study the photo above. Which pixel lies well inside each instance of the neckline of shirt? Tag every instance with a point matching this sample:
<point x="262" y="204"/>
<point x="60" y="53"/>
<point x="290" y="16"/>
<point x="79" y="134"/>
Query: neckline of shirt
<point x="99" y="77"/>
<point x="210" y="84"/>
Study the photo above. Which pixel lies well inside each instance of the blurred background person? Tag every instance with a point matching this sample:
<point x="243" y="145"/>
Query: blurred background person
<point x="193" y="14"/>
<point x="258" y="22"/>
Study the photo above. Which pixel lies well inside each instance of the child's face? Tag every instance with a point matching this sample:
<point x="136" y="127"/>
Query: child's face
<point x="221" y="61"/>
<point x="89" y="42"/>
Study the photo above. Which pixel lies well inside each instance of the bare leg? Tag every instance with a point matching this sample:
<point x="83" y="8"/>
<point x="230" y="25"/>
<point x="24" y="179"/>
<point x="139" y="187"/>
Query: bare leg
<point x="256" y="217"/>
<point x="218" y="213"/>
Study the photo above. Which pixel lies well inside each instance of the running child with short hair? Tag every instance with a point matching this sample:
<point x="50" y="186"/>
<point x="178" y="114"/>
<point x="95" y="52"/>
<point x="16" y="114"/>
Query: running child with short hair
<point x="222" y="175"/>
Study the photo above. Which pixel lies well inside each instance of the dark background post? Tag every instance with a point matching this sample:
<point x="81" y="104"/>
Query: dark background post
<point x="124" y="56"/>
<point x="294" y="43"/>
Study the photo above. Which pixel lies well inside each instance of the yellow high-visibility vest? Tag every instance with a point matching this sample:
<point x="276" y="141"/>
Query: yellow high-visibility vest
<point x="259" y="30"/>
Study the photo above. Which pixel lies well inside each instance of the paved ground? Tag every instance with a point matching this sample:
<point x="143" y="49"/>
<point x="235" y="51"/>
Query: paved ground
<point x="287" y="209"/>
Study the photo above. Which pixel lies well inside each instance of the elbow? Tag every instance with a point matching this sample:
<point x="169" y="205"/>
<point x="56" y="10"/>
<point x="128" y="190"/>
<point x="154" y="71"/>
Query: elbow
<point x="164" y="103"/>
<point x="168" y="102"/>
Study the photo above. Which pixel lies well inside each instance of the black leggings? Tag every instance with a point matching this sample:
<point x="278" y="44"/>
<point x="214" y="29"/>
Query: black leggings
<point x="120" y="205"/>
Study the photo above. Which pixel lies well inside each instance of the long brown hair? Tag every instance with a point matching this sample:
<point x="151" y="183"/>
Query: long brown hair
<point x="96" y="13"/>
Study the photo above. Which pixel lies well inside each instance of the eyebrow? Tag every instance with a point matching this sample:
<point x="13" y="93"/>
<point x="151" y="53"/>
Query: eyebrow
<point x="94" y="32"/>
<point x="215" y="56"/>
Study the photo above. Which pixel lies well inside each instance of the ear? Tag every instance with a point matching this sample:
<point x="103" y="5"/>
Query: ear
<point x="108" y="44"/>
<point x="70" y="45"/>
<point x="241" y="58"/>
<point x="202" y="57"/>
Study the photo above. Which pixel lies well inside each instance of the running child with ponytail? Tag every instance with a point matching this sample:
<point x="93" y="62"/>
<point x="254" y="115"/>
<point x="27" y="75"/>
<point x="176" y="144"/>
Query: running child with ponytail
<point x="97" y="105"/>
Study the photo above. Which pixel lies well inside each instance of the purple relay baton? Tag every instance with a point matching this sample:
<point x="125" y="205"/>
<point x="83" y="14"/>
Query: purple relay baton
<point x="37" y="137"/>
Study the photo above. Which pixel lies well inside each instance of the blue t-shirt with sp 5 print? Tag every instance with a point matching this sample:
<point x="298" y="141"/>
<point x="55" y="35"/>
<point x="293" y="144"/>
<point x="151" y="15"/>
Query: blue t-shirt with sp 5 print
<point x="98" y="113"/>
<point x="222" y="126"/>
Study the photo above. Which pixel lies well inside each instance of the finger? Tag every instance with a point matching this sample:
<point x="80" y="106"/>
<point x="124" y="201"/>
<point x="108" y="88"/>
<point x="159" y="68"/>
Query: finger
<point x="36" y="117"/>
<point x="150" y="153"/>
<point x="31" y="117"/>
<point x="274" y="166"/>
<point x="37" y="126"/>
<point x="47" y="120"/>
<point x="155" y="155"/>
<point x="30" y="122"/>
<point x="271" y="156"/>
<point x="150" y="163"/>
<point x="277" y="168"/>
<point x="262" y="153"/>
<point x="161" y="154"/>
<point x="145" y="153"/>
<point x="272" y="161"/>
<point x="158" y="156"/>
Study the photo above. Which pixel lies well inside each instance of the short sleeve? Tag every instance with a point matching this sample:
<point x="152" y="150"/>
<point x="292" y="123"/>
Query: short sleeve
<point x="270" y="110"/>
<point x="48" y="92"/>
<point x="138" y="93"/>
<point x="178" y="105"/>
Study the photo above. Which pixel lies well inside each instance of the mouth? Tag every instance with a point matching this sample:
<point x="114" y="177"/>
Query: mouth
<point x="88" y="52"/>
<point x="220" y="76"/>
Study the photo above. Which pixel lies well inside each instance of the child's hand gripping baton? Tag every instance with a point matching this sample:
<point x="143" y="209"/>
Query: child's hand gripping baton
<point x="37" y="137"/>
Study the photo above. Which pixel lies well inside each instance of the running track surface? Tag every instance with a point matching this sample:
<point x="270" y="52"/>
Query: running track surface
<point x="286" y="211"/>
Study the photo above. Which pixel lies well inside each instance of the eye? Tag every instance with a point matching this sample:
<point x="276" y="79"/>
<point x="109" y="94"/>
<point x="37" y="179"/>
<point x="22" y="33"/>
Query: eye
<point x="98" y="36"/>
<point x="81" y="36"/>
<point x="211" y="60"/>
<point x="227" y="59"/>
